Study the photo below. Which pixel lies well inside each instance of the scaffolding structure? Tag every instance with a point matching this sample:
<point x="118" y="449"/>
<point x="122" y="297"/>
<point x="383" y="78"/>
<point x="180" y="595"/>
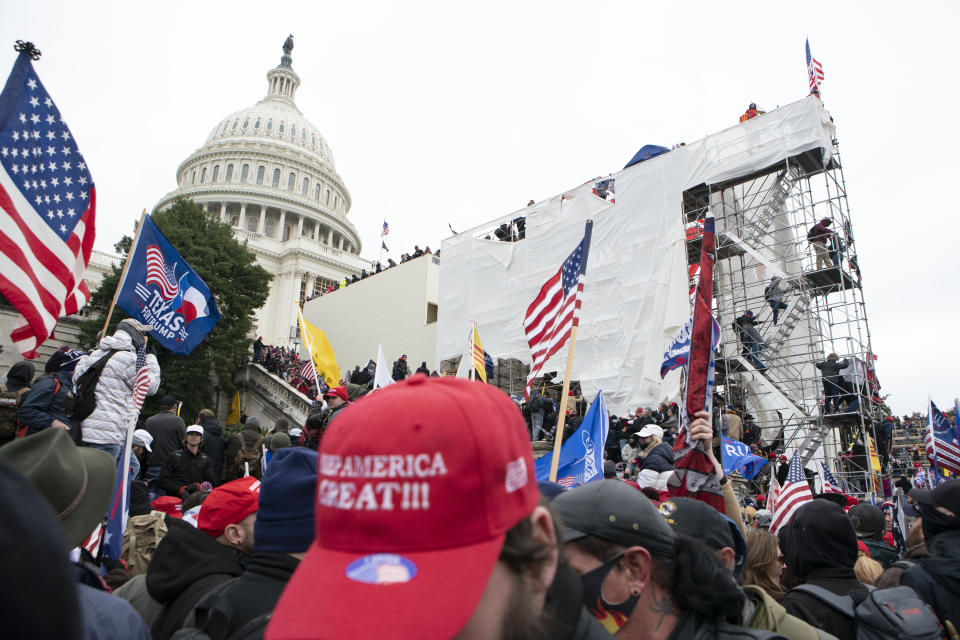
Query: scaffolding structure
<point x="762" y="224"/>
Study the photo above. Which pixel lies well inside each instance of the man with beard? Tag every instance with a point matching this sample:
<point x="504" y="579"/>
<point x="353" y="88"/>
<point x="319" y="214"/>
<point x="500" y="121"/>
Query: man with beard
<point x="937" y="578"/>
<point x="423" y="529"/>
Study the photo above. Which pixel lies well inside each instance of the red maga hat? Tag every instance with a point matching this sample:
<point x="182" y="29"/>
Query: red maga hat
<point x="339" y="392"/>
<point x="417" y="486"/>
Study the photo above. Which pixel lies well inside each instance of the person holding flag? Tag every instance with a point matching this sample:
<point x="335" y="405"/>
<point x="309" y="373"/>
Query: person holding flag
<point x="127" y="370"/>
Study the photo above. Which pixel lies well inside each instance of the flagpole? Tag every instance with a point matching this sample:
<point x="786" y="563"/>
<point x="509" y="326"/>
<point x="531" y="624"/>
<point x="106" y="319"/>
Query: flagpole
<point x="561" y="420"/>
<point x="123" y="274"/>
<point x="473" y="362"/>
<point x="306" y="337"/>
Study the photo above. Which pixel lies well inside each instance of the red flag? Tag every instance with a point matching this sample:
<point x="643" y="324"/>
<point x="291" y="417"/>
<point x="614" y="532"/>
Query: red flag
<point x="694" y="473"/>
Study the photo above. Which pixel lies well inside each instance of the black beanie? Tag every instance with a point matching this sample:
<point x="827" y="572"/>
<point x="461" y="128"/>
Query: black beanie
<point x="820" y="536"/>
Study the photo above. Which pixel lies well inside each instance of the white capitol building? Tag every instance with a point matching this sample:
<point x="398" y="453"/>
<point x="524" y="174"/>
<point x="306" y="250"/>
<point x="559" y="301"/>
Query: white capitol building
<point x="269" y="172"/>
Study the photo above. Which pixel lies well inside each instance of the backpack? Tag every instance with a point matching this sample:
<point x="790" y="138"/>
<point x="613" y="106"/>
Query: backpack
<point x="248" y="460"/>
<point x="811" y="234"/>
<point x="10" y="402"/>
<point x="751" y="433"/>
<point x="140" y="540"/>
<point x="897" y="612"/>
<point x="82" y="400"/>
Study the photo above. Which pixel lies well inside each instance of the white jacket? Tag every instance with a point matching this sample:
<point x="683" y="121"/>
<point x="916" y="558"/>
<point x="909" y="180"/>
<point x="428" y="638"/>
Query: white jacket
<point x="114" y="411"/>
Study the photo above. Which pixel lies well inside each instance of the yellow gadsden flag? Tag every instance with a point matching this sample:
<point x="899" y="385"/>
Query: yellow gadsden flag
<point x="319" y="347"/>
<point x="875" y="464"/>
<point x="234" y="416"/>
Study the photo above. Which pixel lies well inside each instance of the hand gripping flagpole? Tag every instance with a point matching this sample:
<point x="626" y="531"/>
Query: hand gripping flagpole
<point x="123" y="274"/>
<point x="306" y="337"/>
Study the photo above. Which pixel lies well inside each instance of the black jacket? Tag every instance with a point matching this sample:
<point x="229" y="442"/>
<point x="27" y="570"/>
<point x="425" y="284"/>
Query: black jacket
<point x="213" y="446"/>
<point x="168" y="431"/>
<point x="937" y="578"/>
<point x="881" y="551"/>
<point x="182" y="468"/>
<point x="255" y="592"/>
<point x="830" y="369"/>
<point x="186" y="566"/>
<point x="660" y="459"/>
<point x="821" y="549"/>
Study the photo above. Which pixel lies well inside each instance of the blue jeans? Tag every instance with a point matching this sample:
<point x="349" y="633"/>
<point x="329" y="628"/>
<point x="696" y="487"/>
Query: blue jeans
<point x="752" y="353"/>
<point x="113" y="449"/>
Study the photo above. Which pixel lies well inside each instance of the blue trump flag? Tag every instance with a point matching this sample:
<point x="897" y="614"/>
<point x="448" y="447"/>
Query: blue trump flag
<point x="737" y="456"/>
<point x="160" y="289"/>
<point x="581" y="456"/>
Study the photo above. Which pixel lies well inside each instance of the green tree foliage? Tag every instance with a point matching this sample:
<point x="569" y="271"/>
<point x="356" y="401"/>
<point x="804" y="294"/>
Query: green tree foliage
<point x="239" y="285"/>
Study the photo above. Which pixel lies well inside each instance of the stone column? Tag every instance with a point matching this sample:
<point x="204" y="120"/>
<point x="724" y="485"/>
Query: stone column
<point x="263" y="220"/>
<point x="283" y="221"/>
<point x="223" y="212"/>
<point x="205" y="207"/>
<point x="300" y="226"/>
<point x="311" y="279"/>
<point x="330" y="237"/>
<point x="316" y="230"/>
<point x="242" y="222"/>
<point x="340" y="243"/>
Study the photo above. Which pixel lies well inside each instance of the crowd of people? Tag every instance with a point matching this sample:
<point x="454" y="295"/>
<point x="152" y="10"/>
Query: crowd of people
<point x="376" y="267"/>
<point x="360" y="517"/>
<point x="382" y="501"/>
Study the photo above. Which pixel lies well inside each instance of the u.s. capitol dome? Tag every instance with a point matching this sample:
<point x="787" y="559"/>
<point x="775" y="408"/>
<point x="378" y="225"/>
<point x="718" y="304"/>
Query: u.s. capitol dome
<point x="269" y="172"/>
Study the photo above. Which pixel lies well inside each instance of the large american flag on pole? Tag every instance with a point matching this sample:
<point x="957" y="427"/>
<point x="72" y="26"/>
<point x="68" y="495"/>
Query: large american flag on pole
<point x="941" y="442"/>
<point x="814" y="70"/>
<point x="556" y="309"/>
<point x="47" y="210"/>
<point x="794" y="493"/>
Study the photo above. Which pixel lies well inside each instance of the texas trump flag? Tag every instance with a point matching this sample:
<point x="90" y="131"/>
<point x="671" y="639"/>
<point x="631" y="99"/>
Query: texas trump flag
<point x="160" y="289"/>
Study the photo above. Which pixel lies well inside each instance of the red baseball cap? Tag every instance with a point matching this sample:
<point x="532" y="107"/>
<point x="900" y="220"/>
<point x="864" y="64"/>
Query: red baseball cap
<point x="228" y="504"/>
<point x="417" y="486"/>
<point x="340" y="392"/>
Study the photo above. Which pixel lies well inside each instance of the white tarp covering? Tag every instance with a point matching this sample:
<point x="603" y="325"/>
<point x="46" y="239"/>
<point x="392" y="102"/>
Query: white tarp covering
<point x="635" y="293"/>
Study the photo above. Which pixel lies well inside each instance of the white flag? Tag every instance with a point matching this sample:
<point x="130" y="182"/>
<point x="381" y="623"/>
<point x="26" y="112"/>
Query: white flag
<point x="382" y="377"/>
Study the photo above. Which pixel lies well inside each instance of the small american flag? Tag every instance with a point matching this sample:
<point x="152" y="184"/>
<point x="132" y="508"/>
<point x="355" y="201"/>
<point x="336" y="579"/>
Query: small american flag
<point x="940" y="441"/>
<point x="794" y="493"/>
<point x="120" y="505"/>
<point x="386" y="229"/>
<point x="814" y="70"/>
<point x="830" y="484"/>
<point x="141" y="384"/>
<point x="47" y="210"/>
<point x="307" y="371"/>
<point x="556" y="309"/>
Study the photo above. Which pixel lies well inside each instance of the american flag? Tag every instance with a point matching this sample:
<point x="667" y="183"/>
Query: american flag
<point x="941" y="442"/>
<point x="567" y="482"/>
<point x="120" y="505"/>
<point x="794" y="493"/>
<point x="161" y="275"/>
<point x="47" y="210"/>
<point x="307" y="371"/>
<point x="814" y="70"/>
<point x="830" y="484"/>
<point x="556" y="309"/>
<point x="386" y="229"/>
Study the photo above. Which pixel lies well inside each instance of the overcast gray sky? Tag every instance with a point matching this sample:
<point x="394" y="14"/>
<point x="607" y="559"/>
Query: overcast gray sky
<point x="442" y="112"/>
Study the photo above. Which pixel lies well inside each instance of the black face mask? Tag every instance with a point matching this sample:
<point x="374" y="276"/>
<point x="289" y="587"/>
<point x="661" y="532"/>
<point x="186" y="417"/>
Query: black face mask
<point x="934" y="522"/>
<point x="611" y="616"/>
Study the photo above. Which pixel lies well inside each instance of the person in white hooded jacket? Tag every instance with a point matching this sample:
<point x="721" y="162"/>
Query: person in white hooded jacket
<point x="106" y="428"/>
